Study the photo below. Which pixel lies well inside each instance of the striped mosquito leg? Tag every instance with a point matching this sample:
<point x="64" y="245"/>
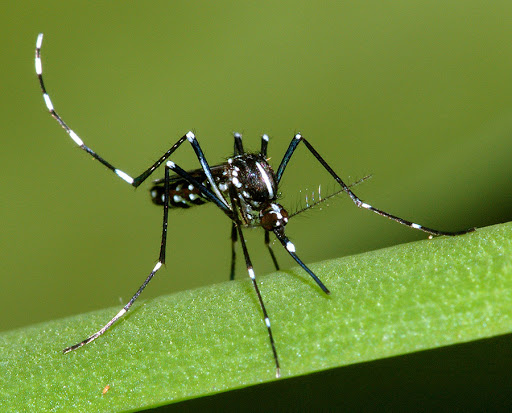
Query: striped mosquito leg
<point x="206" y="168"/>
<point x="359" y="203"/>
<point x="410" y="224"/>
<point x="190" y="137"/>
<point x="118" y="315"/>
<point x="55" y="115"/>
<point x="270" y="250"/>
<point x="266" y="318"/>
<point x="291" y="250"/>
<point x="161" y="261"/>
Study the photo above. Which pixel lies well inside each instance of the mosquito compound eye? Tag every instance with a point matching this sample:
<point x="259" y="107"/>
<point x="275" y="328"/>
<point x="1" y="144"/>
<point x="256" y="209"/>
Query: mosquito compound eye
<point x="268" y="220"/>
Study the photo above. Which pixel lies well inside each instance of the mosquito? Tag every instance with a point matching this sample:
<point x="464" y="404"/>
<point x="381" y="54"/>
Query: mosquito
<point x="245" y="188"/>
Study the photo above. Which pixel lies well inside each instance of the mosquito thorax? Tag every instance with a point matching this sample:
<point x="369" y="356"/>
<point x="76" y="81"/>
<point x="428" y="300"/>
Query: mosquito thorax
<point x="273" y="216"/>
<point x="253" y="178"/>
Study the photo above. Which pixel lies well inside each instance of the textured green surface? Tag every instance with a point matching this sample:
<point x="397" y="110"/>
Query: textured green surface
<point x="393" y="301"/>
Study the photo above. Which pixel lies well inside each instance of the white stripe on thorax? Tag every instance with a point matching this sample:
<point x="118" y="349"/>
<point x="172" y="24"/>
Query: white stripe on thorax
<point x="266" y="179"/>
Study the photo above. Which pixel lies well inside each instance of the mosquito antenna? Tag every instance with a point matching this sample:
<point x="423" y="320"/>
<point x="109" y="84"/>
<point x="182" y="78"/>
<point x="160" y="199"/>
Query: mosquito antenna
<point x="321" y="200"/>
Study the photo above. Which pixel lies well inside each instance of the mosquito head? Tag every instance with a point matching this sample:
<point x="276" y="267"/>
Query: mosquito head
<point x="273" y="217"/>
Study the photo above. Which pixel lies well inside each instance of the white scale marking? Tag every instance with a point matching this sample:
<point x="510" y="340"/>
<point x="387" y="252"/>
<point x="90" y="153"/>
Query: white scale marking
<point x="48" y="102"/>
<point x="39" y="40"/>
<point x="298" y="136"/>
<point x="290" y="247"/>
<point x="190" y="136"/>
<point x="265" y="137"/>
<point x="123" y="175"/>
<point x="251" y="273"/>
<point x="171" y="164"/>
<point x="417" y="226"/>
<point x="266" y="179"/>
<point x="236" y="182"/>
<point x="157" y="266"/>
<point x="365" y="205"/>
<point x="118" y="315"/>
<point x="267" y="322"/>
<point x="75" y="138"/>
<point x="39" y="67"/>
<point x="276" y="210"/>
<point x="177" y="198"/>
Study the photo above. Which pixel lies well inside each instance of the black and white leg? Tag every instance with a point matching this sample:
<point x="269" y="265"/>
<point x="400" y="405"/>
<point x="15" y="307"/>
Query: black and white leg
<point x="214" y="196"/>
<point x="252" y="276"/>
<point x="359" y="203"/>
<point x="263" y="151"/>
<point x="266" y="318"/>
<point x="161" y="261"/>
<point x="190" y="137"/>
<point x="71" y="133"/>
<point x="288" y="245"/>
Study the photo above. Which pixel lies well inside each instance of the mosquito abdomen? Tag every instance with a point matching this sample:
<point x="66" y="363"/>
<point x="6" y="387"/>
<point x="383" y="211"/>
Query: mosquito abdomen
<point x="181" y="195"/>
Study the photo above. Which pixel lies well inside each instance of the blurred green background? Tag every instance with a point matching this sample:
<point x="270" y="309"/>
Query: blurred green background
<point x="419" y="94"/>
